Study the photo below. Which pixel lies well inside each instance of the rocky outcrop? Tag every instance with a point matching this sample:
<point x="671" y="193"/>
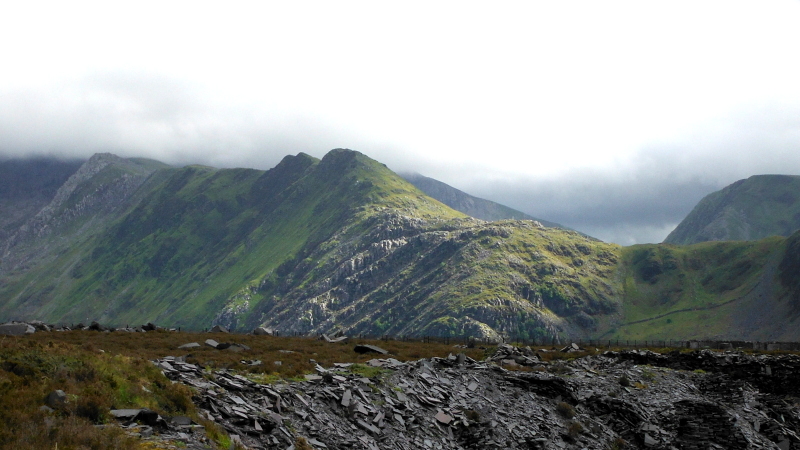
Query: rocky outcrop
<point x="592" y="402"/>
<point x="417" y="270"/>
<point x="98" y="188"/>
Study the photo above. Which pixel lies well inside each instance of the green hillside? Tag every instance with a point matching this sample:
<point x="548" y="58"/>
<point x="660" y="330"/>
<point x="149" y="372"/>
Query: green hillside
<point x="344" y="244"/>
<point x="721" y="290"/>
<point x="751" y="209"/>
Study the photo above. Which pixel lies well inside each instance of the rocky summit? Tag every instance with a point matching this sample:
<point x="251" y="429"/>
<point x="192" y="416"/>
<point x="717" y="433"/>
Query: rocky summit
<point x="630" y="399"/>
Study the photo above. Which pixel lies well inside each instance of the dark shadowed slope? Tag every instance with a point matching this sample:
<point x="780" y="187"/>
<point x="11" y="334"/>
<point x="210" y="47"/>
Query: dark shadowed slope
<point x="750" y="209"/>
<point x="26" y="186"/>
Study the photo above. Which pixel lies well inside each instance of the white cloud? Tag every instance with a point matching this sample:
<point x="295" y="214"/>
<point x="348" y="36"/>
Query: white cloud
<point x="629" y="92"/>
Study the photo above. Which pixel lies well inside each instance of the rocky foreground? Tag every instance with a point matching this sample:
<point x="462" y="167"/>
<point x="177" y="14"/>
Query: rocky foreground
<point x="629" y="399"/>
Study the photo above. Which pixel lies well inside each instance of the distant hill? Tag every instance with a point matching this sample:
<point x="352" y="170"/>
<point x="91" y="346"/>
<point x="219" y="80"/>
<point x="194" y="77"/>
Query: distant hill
<point x="747" y="210"/>
<point x="472" y="206"/>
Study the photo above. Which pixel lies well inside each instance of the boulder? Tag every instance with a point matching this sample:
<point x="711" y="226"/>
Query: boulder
<point x="219" y="329"/>
<point x="190" y="345"/>
<point x="40" y="326"/>
<point x="261" y="331"/>
<point x="16" y="329"/>
<point x="97" y="327"/>
<point x="56" y="399"/>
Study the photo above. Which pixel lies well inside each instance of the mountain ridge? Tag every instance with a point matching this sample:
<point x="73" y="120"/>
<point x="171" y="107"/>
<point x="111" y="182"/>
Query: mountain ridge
<point x="343" y="244"/>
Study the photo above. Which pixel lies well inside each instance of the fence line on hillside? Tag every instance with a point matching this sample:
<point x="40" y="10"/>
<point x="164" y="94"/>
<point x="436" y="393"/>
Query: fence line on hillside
<point x="582" y="343"/>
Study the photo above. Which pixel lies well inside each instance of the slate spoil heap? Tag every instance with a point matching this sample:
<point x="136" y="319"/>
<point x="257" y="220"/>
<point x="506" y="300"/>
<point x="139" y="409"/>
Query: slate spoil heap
<point x="631" y="399"/>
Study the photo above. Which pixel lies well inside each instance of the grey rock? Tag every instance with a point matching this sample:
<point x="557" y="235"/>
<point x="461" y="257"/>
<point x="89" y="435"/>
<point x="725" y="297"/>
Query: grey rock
<point x="346" y="398"/>
<point x="125" y="414"/>
<point x="336" y="340"/>
<point x="212" y="343"/>
<point x="443" y="418"/>
<point x="16" y="329"/>
<point x="190" y="345"/>
<point x="363" y="348"/>
<point x="56" y="399"/>
<point x="218" y="329"/>
<point x="261" y="331"/>
<point x="181" y="420"/>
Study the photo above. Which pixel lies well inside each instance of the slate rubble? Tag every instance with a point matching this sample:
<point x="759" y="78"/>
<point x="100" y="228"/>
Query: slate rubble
<point x="460" y="403"/>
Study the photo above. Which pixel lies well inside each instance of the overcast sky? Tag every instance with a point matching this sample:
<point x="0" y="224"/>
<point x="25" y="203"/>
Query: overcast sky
<point x="614" y="118"/>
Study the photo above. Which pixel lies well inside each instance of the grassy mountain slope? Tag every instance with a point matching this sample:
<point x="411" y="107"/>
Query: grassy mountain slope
<point x="340" y="243"/>
<point x="344" y="244"/>
<point x="472" y="206"/>
<point x="721" y="290"/>
<point x="750" y="209"/>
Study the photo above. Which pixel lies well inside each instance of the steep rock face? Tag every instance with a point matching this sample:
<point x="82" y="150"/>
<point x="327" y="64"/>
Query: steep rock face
<point x="26" y="186"/>
<point x="94" y="192"/>
<point x="472" y="206"/>
<point x="406" y="276"/>
<point x="751" y="209"/>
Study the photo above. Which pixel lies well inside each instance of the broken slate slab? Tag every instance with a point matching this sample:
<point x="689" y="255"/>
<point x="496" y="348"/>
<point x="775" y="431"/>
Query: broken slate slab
<point x="125" y="414"/>
<point x="363" y="348"/>
<point x="219" y="329"/>
<point x="181" y="420"/>
<point x="443" y="418"/>
<point x="335" y="340"/>
<point x="190" y="345"/>
<point x="212" y="343"/>
<point x="346" y="397"/>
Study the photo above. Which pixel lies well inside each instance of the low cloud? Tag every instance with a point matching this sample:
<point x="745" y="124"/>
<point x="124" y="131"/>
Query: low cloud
<point x="158" y="117"/>
<point x="644" y="197"/>
<point x="630" y="199"/>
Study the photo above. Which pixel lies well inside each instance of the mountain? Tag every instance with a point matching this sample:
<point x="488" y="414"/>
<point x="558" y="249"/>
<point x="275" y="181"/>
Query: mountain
<point x="750" y="209"/>
<point x="343" y="244"/>
<point x="472" y="206"/>
<point x="26" y="186"/>
<point x="311" y="245"/>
